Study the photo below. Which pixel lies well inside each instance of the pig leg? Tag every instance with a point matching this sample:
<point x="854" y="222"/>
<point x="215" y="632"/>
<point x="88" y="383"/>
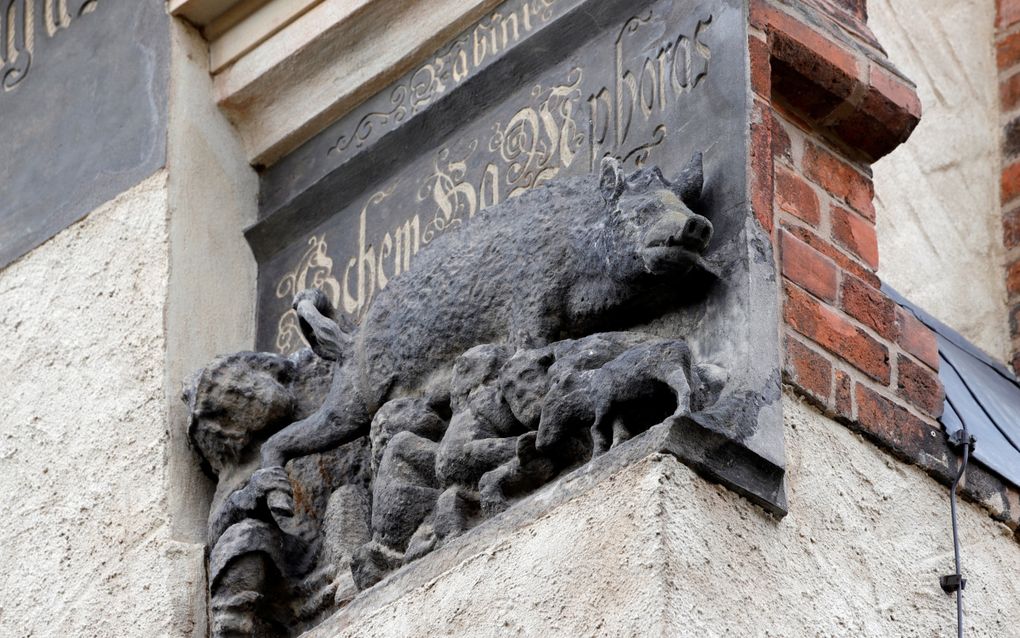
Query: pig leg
<point x="342" y="418"/>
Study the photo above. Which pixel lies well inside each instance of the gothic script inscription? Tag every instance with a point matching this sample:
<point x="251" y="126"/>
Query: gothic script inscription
<point x="564" y="126"/>
<point x="25" y="25"/>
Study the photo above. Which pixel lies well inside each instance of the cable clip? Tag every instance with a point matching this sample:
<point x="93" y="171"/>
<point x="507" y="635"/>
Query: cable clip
<point x="953" y="582"/>
<point x="961" y="438"/>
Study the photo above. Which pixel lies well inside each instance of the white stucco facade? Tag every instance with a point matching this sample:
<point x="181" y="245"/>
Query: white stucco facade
<point x="87" y="544"/>
<point x="937" y="195"/>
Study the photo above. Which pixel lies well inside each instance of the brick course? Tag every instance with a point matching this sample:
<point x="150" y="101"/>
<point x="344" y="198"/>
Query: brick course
<point x="856" y="234"/>
<point x="808" y="268"/>
<point x="1007" y="51"/>
<point x="836" y="334"/>
<point x="795" y="196"/>
<point x="920" y="386"/>
<point x="869" y="306"/>
<point x="839" y="179"/>
<point x="809" y="370"/>
<point x="916" y="338"/>
<point x="824" y="109"/>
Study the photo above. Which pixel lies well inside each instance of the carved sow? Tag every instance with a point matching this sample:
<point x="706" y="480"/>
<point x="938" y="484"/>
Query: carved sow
<point x="569" y="258"/>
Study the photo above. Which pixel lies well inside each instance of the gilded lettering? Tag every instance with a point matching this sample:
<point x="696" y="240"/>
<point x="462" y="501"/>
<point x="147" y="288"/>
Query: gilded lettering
<point x="14" y="53"/>
<point x="681" y="68"/>
<point x="704" y="53"/>
<point x="480" y="45"/>
<point x="460" y="65"/>
<point x="449" y="68"/>
<point x="385" y="249"/>
<point x="452" y="196"/>
<point x="510" y="21"/>
<point x="600" y="108"/>
<point x="625" y="83"/>
<point x="663" y="72"/>
<point x="649" y="83"/>
<point x="489" y="189"/>
<point x="350" y="304"/>
<point x="408" y="241"/>
<point x="19" y="31"/>
<point x="364" y="264"/>
<point x="643" y="84"/>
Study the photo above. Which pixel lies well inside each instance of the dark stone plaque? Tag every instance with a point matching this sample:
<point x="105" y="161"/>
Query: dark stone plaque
<point x="540" y="90"/>
<point x="83" y="100"/>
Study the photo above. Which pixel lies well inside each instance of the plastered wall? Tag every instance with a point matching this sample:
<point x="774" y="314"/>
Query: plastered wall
<point x="103" y="504"/>
<point x="85" y="543"/>
<point x="657" y="551"/>
<point x="939" y="225"/>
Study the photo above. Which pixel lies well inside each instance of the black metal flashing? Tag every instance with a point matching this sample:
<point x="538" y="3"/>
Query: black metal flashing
<point x="981" y="393"/>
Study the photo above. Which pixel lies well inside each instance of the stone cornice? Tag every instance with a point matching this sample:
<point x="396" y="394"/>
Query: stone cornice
<point x="285" y="69"/>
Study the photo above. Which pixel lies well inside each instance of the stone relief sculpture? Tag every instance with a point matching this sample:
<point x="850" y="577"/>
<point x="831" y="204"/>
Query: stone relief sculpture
<point x="499" y="361"/>
<point x="270" y="563"/>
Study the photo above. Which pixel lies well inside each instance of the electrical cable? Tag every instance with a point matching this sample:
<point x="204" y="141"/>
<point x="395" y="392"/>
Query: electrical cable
<point x="956" y="581"/>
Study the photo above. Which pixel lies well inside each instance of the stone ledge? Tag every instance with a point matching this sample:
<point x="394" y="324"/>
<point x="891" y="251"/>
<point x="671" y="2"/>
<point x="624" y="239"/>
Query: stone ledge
<point x="711" y="455"/>
<point x="642" y="554"/>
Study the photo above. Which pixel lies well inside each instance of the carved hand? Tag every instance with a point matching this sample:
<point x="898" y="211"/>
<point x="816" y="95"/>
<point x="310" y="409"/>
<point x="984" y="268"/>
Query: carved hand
<point x="272" y="484"/>
<point x="526" y="451"/>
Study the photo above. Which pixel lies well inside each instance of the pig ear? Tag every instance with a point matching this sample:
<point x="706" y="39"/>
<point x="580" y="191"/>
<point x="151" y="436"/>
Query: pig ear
<point x="691" y="180"/>
<point x="611" y="179"/>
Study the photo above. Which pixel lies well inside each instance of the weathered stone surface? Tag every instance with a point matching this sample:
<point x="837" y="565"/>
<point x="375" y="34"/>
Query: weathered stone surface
<point x="538" y="90"/>
<point x="84" y="111"/>
<point x="476" y="377"/>
<point x="652" y="549"/>
<point x="519" y="306"/>
<point x="267" y="570"/>
<point x="562" y="260"/>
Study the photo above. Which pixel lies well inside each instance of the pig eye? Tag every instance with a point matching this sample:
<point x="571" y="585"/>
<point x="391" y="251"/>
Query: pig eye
<point x="647" y="210"/>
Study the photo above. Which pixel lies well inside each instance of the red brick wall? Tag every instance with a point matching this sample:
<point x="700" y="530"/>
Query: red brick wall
<point x="824" y="109"/>
<point x="1007" y="49"/>
<point x="827" y="104"/>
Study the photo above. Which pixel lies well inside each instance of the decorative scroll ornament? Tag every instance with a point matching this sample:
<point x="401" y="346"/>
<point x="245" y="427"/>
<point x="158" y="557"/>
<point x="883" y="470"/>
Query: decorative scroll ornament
<point x="25" y="25"/>
<point x="314" y="270"/>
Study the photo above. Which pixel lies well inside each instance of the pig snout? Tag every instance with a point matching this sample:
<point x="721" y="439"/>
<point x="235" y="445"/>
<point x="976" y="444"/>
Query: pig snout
<point x="675" y="242"/>
<point x="696" y="234"/>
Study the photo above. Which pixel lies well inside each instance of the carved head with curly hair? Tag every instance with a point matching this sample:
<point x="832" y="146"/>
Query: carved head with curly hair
<point x="236" y="400"/>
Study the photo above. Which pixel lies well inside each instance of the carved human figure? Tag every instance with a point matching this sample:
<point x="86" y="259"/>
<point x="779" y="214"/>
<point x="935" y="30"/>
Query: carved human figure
<point x="234" y="405"/>
<point x="404" y="434"/>
<point x="483" y="428"/>
<point x="483" y="435"/>
<point x="523" y="385"/>
<point x="426" y="472"/>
